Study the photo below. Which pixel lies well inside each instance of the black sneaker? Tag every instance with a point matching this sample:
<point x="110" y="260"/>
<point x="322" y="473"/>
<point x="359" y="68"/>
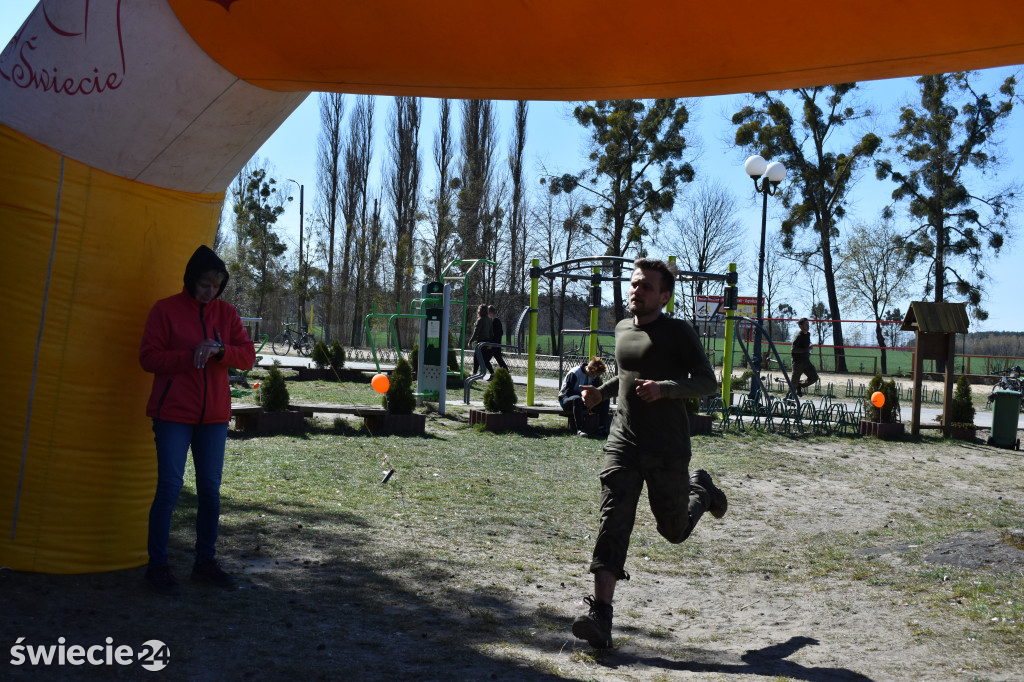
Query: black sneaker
<point x="717" y="503"/>
<point x="596" y="626"/>
<point x="207" y="571"/>
<point x="161" y="580"/>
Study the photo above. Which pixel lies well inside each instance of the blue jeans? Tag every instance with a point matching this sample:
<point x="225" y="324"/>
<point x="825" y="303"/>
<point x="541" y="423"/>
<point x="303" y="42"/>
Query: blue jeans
<point x="172" y="445"/>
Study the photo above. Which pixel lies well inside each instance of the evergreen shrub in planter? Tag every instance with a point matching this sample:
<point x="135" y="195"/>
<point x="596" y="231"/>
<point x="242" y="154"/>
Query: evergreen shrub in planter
<point x="962" y="411"/>
<point x="399" y="403"/>
<point x="500" y="405"/>
<point x="276" y="417"/>
<point x="882" y="421"/>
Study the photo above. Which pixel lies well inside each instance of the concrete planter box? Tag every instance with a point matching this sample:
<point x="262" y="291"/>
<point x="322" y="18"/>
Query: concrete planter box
<point x="701" y="424"/>
<point x="395" y="424"/>
<point x="498" y="421"/>
<point x="264" y="423"/>
<point x="959" y="433"/>
<point x="882" y="430"/>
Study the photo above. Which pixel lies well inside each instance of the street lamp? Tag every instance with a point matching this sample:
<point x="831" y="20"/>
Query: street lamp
<point x="302" y="275"/>
<point x="770" y="175"/>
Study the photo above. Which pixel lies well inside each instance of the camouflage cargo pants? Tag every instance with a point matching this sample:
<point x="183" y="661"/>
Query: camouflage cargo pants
<point x="677" y="504"/>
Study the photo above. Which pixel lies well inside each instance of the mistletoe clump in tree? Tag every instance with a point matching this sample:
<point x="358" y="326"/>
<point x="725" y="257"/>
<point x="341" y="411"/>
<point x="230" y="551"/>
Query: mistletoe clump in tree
<point x="258" y="204"/>
<point x="939" y="143"/>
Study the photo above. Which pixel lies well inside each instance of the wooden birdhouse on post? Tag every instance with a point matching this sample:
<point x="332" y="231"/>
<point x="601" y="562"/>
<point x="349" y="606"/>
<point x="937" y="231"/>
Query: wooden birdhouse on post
<point x="936" y="326"/>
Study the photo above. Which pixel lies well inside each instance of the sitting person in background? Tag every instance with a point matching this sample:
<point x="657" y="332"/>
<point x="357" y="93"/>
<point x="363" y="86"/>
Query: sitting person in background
<point x="570" y="395"/>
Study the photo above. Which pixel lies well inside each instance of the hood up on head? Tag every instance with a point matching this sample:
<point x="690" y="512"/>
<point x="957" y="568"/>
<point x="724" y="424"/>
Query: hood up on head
<point x="204" y="260"/>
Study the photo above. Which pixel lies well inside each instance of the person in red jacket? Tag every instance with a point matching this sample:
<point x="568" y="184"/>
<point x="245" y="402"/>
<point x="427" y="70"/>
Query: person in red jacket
<point x="189" y="342"/>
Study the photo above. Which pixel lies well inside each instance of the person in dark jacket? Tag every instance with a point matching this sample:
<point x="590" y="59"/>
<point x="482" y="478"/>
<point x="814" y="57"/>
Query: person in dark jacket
<point x="497" y="336"/>
<point x="801" y="353"/>
<point x="190" y="341"/>
<point x="570" y="394"/>
<point x="481" y="332"/>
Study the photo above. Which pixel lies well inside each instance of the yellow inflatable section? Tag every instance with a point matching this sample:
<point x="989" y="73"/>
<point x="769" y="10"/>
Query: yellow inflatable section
<point x="118" y="136"/>
<point x="121" y="124"/>
<point x="77" y="472"/>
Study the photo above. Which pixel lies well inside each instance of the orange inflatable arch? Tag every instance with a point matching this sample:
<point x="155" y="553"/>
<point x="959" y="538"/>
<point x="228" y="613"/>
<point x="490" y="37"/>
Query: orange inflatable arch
<point x="122" y="123"/>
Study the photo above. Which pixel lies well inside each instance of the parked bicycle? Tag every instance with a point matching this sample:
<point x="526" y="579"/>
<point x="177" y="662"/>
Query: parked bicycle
<point x="1010" y="381"/>
<point x="301" y="341"/>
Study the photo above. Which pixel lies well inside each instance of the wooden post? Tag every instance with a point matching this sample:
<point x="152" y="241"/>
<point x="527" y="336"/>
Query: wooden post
<point x="947" y="400"/>
<point x="915" y="414"/>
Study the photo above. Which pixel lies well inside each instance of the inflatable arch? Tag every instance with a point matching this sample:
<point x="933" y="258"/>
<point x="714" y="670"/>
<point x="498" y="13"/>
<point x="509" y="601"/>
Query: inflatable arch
<point x="122" y="123"/>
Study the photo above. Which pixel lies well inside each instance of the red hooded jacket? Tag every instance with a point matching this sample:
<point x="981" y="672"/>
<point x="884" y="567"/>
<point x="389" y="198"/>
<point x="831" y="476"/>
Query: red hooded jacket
<point x="182" y="392"/>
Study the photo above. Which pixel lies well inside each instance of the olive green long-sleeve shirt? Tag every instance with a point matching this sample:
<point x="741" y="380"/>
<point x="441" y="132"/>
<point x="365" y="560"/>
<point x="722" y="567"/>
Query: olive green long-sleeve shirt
<point x="669" y="352"/>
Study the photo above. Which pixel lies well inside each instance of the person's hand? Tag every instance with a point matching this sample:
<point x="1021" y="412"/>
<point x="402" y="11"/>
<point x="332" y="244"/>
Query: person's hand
<point x="591" y="396"/>
<point x="647" y="390"/>
<point x="205" y="350"/>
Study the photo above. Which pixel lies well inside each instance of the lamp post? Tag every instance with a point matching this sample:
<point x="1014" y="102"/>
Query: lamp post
<point x="302" y="274"/>
<point x="766" y="177"/>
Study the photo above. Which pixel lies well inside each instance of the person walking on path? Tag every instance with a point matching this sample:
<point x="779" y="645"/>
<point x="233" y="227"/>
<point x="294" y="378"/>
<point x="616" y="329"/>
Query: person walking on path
<point x="189" y="342"/>
<point x="661" y="363"/>
<point x="481" y="332"/>
<point x="570" y="394"/>
<point x="497" y="336"/>
<point x="801" y="353"/>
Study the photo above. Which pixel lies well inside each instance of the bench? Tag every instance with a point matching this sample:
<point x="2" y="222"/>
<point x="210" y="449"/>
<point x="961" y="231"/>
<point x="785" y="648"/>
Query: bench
<point x="592" y="424"/>
<point x="357" y="410"/>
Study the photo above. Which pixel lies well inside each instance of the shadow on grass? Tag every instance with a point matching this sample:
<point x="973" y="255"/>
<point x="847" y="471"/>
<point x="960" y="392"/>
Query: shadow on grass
<point x="318" y="598"/>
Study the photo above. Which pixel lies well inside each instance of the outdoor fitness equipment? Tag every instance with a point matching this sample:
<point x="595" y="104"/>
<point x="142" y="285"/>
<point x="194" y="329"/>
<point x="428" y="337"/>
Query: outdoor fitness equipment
<point x="432" y="310"/>
<point x="568" y="270"/>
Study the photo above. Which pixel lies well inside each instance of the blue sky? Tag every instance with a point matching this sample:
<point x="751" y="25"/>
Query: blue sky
<point x="558" y="144"/>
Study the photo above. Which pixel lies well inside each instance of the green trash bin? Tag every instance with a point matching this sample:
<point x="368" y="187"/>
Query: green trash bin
<point x="1005" y="409"/>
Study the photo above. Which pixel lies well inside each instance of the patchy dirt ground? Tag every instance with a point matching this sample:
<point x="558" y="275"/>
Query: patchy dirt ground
<point x="827" y="567"/>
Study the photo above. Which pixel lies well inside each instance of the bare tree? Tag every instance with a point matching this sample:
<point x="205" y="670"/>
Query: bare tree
<point x="438" y="241"/>
<point x="706" y="234"/>
<point x="516" y="280"/>
<point x="560" y="233"/>
<point x="479" y="136"/>
<point x="402" y="190"/>
<point x="877" y="273"/>
<point x="358" y="151"/>
<point x="329" y="173"/>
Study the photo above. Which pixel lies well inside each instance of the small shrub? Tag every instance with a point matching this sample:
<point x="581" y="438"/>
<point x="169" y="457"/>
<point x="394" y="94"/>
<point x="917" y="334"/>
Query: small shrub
<point x="500" y="396"/>
<point x="273" y="391"/>
<point x="321" y="355"/>
<point x="887" y="413"/>
<point x="962" y="410"/>
<point x="399" y="398"/>
<point x="337" y="354"/>
<point x="414" y="358"/>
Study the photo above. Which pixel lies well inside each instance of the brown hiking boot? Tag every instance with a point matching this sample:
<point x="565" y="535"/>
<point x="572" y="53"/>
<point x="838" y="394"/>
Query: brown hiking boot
<point x="717" y="502"/>
<point x="596" y="626"/>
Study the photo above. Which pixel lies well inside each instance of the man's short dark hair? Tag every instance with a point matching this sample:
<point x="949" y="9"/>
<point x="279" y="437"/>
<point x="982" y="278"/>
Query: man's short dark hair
<point x="491" y="309"/>
<point x="667" y="272"/>
<point x="802" y="320"/>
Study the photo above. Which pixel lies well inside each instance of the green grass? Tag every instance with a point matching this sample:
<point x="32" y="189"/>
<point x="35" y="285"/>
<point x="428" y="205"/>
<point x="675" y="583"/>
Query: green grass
<point x="470" y="561"/>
